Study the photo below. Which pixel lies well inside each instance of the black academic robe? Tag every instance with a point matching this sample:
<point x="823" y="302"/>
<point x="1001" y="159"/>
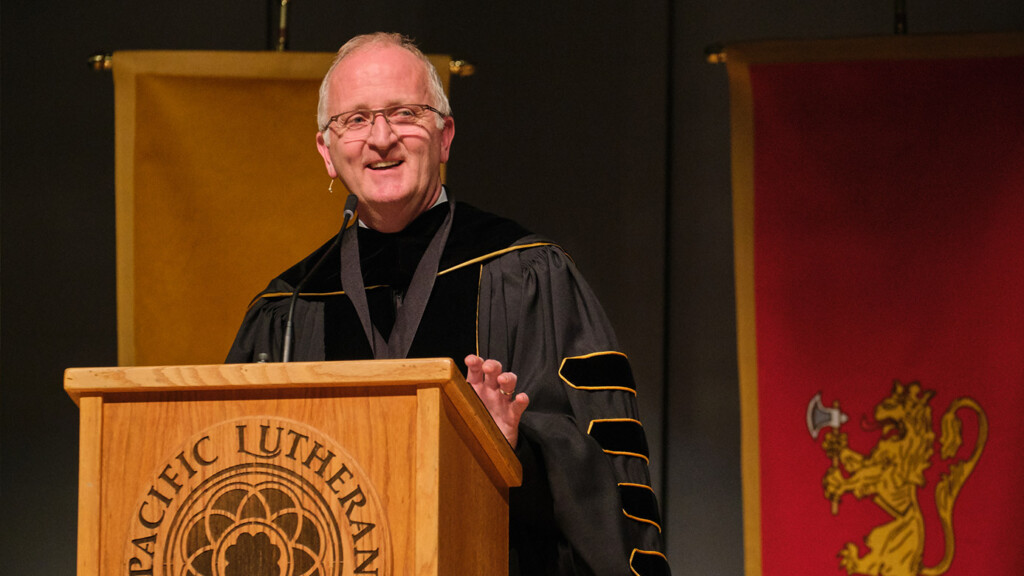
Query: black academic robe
<point x="585" y="506"/>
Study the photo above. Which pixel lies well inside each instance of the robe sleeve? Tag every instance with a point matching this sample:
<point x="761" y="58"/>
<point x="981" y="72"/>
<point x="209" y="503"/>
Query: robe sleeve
<point x="586" y="505"/>
<point x="261" y="336"/>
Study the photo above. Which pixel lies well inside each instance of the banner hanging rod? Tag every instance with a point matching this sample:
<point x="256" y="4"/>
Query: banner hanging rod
<point x="104" y="62"/>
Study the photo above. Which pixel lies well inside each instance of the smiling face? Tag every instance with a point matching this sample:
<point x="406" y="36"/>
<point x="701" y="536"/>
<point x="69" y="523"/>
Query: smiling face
<point x="396" y="178"/>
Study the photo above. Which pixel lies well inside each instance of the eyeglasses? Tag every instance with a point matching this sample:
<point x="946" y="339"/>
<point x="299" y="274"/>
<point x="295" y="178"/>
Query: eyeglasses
<point x="356" y="124"/>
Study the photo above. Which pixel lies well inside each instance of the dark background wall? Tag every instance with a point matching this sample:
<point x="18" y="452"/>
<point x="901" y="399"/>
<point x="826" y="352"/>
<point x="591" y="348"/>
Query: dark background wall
<point x="597" y="123"/>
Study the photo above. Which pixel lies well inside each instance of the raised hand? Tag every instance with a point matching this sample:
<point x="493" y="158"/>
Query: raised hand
<point x="497" y="390"/>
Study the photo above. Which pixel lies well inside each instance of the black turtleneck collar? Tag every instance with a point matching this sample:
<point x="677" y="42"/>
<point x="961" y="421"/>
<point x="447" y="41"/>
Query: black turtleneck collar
<point x="391" y="259"/>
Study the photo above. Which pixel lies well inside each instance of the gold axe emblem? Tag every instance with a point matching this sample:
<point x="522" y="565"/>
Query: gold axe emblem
<point x="818" y="417"/>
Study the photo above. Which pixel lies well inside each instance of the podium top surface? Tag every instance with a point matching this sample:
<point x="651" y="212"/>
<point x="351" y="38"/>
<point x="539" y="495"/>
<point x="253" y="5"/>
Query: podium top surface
<point x="79" y="382"/>
<point x="381" y="375"/>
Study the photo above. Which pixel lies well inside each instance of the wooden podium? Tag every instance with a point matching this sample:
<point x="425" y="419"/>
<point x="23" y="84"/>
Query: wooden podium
<point x="319" y="468"/>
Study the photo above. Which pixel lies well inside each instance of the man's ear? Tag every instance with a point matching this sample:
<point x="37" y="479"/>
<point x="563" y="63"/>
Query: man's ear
<point x="325" y="153"/>
<point x="447" y="133"/>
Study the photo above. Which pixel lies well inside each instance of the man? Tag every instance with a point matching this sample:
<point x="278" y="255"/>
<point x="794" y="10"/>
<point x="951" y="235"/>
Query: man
<point x="423" y="276"/>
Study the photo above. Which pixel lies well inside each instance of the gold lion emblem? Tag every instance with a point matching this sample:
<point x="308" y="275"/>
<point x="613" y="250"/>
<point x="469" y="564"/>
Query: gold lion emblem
<point x="893" y="473"/>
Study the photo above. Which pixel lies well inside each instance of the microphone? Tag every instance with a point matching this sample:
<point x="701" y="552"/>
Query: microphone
<point x="350" y="208"/>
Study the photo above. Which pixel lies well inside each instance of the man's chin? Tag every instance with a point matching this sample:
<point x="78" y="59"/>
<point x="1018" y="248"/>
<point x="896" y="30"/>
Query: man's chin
<point x="385" y="197"/>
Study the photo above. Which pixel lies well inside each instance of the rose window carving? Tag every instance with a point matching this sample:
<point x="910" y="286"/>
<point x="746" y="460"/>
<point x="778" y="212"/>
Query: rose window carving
<point x="264" y="527"/>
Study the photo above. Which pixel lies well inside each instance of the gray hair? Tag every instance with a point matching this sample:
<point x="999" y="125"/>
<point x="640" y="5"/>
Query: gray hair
<point x="440" y="100"/>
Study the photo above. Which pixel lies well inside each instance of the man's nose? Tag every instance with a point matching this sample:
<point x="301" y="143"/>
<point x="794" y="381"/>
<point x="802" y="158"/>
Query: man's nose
<point x="381" y="132"/>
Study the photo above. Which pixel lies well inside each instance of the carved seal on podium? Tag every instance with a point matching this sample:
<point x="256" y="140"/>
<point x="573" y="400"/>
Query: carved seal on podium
<point x="259" y="496"/>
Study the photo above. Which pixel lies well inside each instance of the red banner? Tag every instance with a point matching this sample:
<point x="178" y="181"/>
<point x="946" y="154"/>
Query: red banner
<point x="880" y="276"/>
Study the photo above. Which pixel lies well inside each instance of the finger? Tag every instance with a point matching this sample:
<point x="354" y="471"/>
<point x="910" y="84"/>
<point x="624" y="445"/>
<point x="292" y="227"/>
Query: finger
<point x="474" y="369"/>
<point x="507" y="383"/>
<point x="519" y="404"/>
<point x="492" y="369"/>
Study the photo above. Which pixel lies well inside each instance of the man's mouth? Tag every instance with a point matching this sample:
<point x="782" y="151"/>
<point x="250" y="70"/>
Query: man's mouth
<point x="382" y="165"/>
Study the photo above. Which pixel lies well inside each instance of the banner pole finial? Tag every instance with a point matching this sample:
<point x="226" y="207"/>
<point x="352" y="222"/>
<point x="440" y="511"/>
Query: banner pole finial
<point x="282" y="27"/>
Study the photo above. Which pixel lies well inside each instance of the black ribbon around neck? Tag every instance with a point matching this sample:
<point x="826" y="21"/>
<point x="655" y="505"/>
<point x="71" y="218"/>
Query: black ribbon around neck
<point x="407" y="316"/>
